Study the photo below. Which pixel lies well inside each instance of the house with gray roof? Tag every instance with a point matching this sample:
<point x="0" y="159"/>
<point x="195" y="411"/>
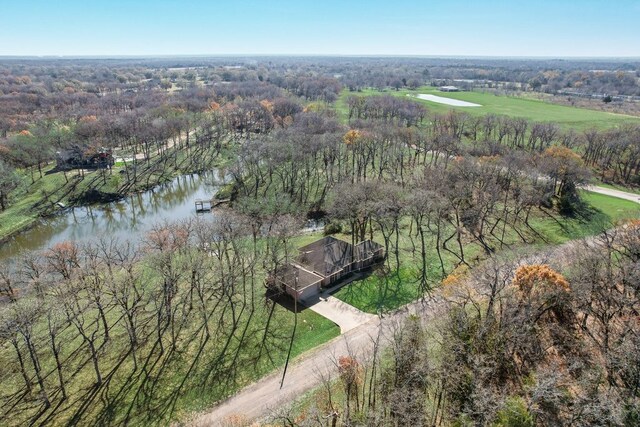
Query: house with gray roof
<point x="324" y="263"/>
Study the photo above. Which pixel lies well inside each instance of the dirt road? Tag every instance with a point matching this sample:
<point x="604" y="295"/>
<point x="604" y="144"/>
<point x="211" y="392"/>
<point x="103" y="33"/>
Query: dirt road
<point x="169" y="143"/>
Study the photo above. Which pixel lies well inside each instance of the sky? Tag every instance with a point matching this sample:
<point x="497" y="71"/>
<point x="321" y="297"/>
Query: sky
<point x="547" y="28"/>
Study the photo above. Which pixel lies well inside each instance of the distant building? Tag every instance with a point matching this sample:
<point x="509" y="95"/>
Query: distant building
<point x="449" y="89"/>
<point x="323" y="263"/>
<point x="77" y="158"/>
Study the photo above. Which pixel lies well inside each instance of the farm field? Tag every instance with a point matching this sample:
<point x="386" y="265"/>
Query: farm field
<point x="566" y="117"/>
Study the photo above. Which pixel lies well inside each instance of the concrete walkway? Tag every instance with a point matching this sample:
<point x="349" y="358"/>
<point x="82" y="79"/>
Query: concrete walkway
<point x="340" y="313"/>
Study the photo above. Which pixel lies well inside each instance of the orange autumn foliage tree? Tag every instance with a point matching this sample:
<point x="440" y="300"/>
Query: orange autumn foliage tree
<point x="564" y="156"/>
<point x="633" y="224"/>
<point x="351" y="376"/>
<point x="528" y="278"/>
<point x="267" y="104"/>
<point x="88" y="119"/>
<point x="352" y="136"/>
<point x="456" y="276"/>
<point x="544" y="294"/>
<point x="349" y="369"/>
<point x="564" y="167"/>
<point x="287" y="121"/>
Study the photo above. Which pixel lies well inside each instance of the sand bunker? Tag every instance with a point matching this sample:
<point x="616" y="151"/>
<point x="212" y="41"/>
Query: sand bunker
<point x="448" y="101"/>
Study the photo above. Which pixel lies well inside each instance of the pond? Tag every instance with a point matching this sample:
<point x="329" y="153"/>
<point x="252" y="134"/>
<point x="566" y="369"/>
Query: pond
<point x="129" y="218"/>
<point x="447" y="101"/>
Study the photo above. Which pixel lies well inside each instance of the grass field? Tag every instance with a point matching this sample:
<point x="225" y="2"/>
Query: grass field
<point x="566" y="117"/>
<point x="615" y="209"/>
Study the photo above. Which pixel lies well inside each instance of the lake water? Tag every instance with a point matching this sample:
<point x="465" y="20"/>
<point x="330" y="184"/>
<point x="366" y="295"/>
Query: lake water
<point x="128" y="218"/>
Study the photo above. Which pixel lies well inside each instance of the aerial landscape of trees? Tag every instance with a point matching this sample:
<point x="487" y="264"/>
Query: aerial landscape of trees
<point x="148" y="330"/>
<point x="513" y="343"/>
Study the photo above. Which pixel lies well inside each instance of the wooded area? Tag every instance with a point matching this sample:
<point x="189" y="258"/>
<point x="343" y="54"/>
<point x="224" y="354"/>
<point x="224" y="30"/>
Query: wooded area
<point x="512" y="343"/>
<point x="114" y="332"/>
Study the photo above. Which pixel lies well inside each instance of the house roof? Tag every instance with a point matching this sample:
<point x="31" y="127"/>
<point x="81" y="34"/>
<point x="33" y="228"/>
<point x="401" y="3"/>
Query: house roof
<point x="366" y="249"/>
<point x="323" y="258"/>
<point x="72" y="153"/>
<point x="297" y="277"/>
<point x="326" y="256"/>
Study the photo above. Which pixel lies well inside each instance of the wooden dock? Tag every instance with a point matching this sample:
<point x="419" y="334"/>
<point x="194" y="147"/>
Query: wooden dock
<point x="208" y="205"/>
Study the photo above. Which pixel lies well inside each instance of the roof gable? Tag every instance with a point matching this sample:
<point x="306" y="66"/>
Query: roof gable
<point x="326" y="256"/>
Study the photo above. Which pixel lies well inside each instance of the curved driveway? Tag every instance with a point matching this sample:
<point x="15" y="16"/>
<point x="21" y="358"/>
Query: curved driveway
<point x="344" y="315"/>
<point x="308" y="370"/>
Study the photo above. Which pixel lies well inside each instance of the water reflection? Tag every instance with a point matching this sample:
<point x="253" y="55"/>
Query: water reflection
<point x="126" y="219"/>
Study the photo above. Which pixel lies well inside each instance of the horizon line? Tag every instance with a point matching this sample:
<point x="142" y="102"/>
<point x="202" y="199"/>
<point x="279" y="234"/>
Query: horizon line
<point x="312" y="55"/>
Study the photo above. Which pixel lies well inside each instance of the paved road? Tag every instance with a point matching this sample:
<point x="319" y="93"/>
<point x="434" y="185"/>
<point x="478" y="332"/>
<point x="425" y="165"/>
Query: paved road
<point x="304" y="374"/>
<point x="340" y="313"/>
<point x="613" y="193"/>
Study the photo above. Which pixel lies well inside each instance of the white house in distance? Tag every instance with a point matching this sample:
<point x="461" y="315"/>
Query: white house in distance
<point x="449" y="89"/>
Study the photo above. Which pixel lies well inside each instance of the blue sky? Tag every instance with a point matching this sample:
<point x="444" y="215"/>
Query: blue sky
<point x="559" y="28"/>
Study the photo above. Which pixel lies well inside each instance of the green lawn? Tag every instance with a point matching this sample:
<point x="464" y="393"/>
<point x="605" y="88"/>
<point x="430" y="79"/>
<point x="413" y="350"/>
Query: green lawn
<point x="614" y="208"/>
<point x="311" y="331"/>
<point x="604" y="212"/>
<point x="567" y="117"/>
<point x="381" y="293"/>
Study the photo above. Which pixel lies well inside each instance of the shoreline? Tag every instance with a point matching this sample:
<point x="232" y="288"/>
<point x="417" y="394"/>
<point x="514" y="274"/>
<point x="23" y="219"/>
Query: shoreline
<point x="108" y="198"/>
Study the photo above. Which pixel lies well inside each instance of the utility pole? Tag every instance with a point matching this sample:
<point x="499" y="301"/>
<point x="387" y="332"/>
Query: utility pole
<point x="295" y="325"/>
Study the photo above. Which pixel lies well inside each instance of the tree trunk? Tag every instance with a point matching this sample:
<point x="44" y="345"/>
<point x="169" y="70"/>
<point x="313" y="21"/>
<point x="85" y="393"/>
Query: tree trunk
<point x="23" y="369"/>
